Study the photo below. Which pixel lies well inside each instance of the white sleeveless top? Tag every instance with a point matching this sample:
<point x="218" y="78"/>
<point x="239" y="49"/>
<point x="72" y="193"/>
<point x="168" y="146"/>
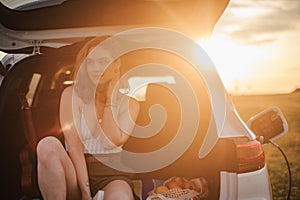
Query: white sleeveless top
<point x="95" y="145"/>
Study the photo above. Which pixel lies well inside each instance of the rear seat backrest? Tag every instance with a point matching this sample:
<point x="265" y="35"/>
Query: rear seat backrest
<point x="156" y="94"/>
<point x="189" y="164"/>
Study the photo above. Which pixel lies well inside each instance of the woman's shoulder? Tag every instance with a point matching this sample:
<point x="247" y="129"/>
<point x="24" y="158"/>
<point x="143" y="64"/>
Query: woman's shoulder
<point x="68" y="94"/>
<point x="68" y="90"/>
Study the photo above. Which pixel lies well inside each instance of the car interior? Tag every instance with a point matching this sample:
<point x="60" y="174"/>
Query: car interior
<point x="32" y="93"/>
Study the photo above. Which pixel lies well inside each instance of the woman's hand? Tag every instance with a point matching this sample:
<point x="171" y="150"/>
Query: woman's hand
<point x="86" y="196"/>
<point x="85" y="192"/>
<point x="112" y="93"/>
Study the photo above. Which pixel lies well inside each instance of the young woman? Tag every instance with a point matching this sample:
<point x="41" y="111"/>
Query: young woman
<point x="73" y="172"/>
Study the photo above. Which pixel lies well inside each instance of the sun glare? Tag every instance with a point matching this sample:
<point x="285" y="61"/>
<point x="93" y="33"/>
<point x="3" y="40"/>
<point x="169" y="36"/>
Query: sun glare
<point x="235" y="62"/>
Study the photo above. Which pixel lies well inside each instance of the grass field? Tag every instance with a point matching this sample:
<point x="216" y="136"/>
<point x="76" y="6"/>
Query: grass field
<point x="289" y="104"/>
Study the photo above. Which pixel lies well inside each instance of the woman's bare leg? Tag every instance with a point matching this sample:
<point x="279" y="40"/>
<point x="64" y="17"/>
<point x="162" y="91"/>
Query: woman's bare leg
<point x="118" y="190"/>
<point x="56" y="173"/>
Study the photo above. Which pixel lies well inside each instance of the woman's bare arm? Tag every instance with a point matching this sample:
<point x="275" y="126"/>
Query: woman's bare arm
<point x="118" y="124"/>
<point x="73" y="140"/>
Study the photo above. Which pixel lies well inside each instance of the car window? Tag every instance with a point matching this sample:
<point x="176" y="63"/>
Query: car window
<point x="35" y="80"/>
<point x="139" y="84"/>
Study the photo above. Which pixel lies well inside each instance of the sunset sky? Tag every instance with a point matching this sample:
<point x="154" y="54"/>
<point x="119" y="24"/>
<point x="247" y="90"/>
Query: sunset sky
<point x="256" y="46"/>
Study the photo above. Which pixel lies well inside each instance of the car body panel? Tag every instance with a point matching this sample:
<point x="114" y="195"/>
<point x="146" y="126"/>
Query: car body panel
<point x="229" y="186"/>
<point x="255" y="185"/>
<point x="245" y="186"/>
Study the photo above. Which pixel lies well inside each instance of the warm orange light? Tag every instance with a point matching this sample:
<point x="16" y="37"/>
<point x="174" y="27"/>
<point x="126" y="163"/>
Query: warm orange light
<point x="239" y="65"/>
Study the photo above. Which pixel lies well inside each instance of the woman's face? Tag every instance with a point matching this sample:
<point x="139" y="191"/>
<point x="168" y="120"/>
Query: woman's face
<point x="97" y="63"/>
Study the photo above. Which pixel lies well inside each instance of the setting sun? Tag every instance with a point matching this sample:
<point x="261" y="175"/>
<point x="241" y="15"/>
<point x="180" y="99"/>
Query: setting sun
<point x="255" y="47"/>
<point x="233" y="61"/>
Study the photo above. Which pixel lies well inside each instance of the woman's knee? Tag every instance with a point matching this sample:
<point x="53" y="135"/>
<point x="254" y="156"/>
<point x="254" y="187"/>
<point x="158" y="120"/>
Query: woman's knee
<point x="48" y="147"/>
<point x="118" y="189"/>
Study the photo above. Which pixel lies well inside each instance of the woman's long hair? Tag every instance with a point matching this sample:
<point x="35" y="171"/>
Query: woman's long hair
<point x="84" y="86"/>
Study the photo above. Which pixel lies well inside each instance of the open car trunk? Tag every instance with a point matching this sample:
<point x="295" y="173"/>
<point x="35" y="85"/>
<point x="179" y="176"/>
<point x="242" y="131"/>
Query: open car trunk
<point x="50" y="71"/>
<point x="76" y="19"/>
<point x="55" y="34"/>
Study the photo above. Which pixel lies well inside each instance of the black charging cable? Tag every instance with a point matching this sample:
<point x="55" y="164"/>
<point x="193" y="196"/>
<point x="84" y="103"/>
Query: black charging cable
<point x="288" y="166"/>
<point x="262" y="140"/>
